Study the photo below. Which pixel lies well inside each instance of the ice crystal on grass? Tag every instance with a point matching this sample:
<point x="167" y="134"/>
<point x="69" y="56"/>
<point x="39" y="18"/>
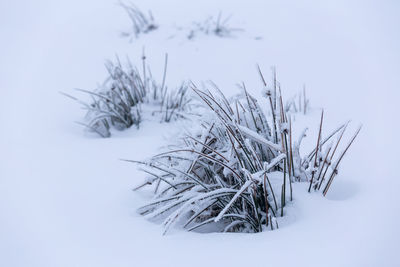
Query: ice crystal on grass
<point x="236" y="172"/>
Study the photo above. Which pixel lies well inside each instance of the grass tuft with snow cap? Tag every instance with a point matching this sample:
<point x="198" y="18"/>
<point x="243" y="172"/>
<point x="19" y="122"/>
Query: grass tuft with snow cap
<point x="235" y="174"/>
<point x="118" y="102"/>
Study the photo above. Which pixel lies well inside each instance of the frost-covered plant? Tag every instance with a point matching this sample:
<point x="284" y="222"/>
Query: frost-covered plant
<point x="235" y="174"/>
<point x="141" y="23"/>
<point x="174" y="104"/>
<point x="117" y="103"/>
<point x="213" y="26"/>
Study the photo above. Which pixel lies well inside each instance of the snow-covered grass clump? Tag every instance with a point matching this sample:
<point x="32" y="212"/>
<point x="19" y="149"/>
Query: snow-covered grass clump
<point x="235" y="173"/>
<point x="118" y="102"/>
<point x="141" y="22"/>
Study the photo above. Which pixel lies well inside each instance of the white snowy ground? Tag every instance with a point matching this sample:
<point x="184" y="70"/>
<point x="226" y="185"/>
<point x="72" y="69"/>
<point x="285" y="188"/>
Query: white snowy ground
<point x="66" y="199"/>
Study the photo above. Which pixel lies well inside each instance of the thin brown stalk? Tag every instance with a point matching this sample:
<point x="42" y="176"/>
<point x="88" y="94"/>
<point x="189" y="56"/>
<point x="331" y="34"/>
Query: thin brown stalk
<point x="322" y="168"/>
<point x="316" y="151"/>
<point x="272" y="107"/>
<point x="266" y="199"/>
<point x="331" y="157"/>
<point x="335" y="170"/>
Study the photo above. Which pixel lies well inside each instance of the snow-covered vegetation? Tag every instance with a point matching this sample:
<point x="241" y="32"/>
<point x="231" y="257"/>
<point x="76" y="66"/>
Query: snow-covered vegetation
<point x="236" y="171"/>
<point x="118" y="102"/>
<point x="67" y="199"/>
<point x="141" y="23"/>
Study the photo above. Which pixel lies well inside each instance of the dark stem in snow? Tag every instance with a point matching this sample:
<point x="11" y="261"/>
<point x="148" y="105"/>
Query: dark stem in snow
<point x="316" y="152"/>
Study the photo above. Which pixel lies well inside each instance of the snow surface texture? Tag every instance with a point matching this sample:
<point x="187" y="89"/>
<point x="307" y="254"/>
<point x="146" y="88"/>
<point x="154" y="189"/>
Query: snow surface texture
<point x="65" y="199"/>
